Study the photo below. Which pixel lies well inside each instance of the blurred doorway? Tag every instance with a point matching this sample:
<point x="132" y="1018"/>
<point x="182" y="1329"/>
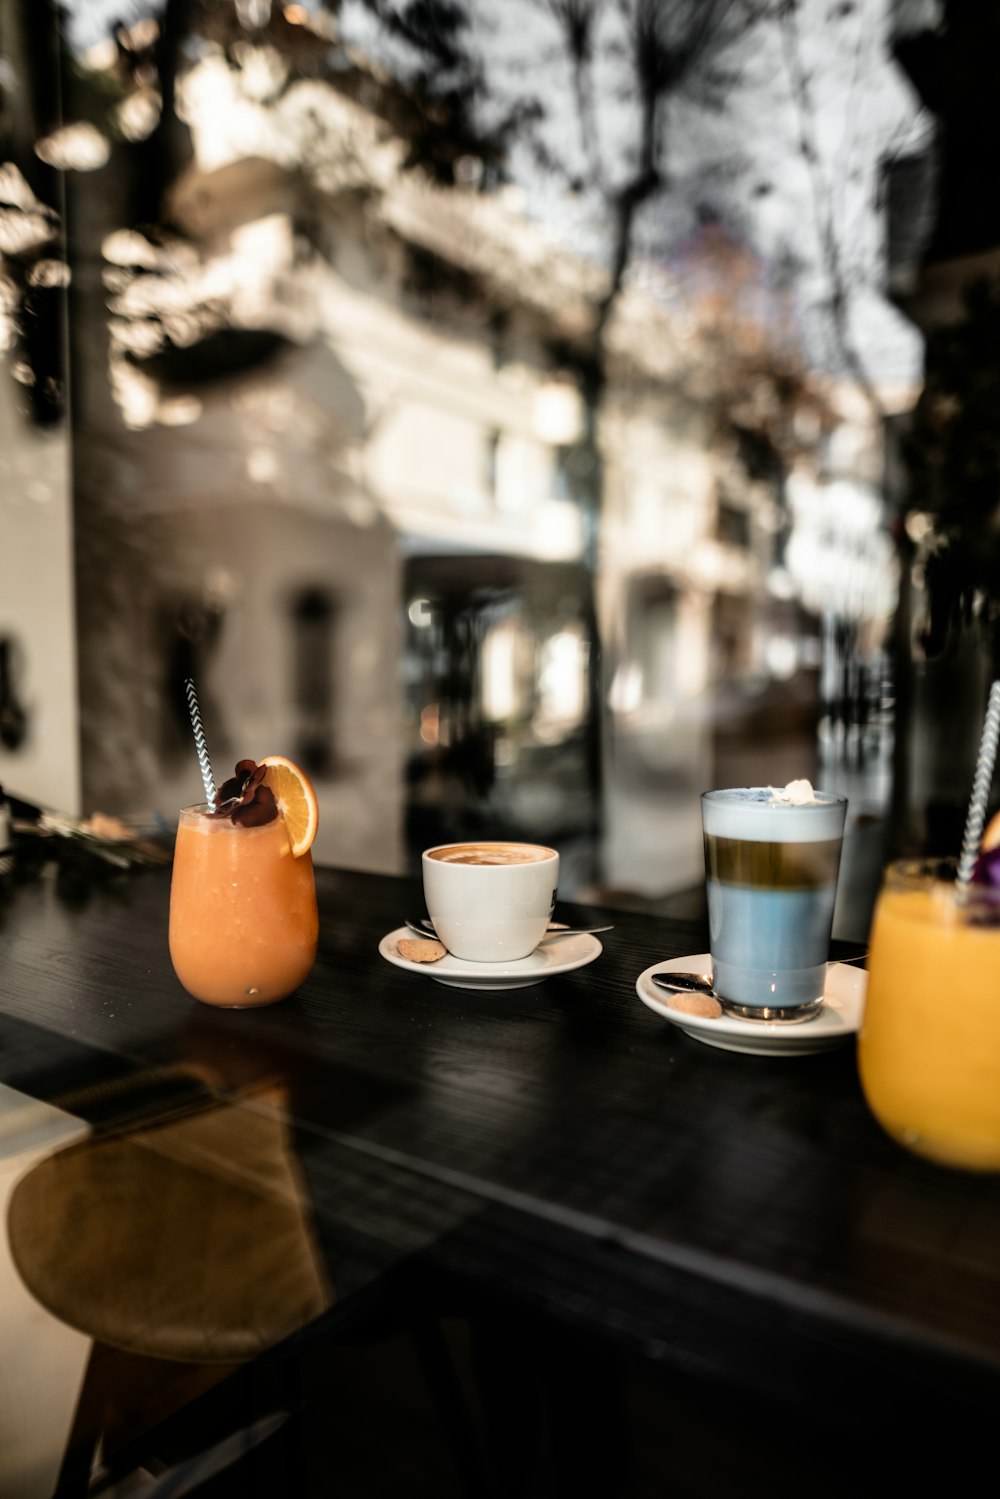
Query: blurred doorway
<point x="498" y="712"/>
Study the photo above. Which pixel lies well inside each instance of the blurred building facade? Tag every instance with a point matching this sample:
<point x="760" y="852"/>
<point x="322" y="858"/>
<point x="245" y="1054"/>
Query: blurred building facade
<point x="338" y="450"/>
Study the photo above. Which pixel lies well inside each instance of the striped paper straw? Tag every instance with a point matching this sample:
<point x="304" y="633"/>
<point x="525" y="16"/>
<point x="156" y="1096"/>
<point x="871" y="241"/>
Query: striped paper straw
<point x="200" y="745"/>
<point x="981" y="783"/>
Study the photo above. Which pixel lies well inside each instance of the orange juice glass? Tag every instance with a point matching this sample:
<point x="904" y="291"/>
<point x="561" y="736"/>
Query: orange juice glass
<point x="243" y="918"/>
<point x="929" y="1045"/>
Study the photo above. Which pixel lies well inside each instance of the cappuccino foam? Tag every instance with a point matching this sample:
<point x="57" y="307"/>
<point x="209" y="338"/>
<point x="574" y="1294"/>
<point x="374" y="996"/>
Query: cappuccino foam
<point x="491" y="853"/>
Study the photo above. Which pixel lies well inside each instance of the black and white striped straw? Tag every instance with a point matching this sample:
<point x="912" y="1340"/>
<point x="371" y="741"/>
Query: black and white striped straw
<point x="981" y="783"/>
<point x="200" y="745"/>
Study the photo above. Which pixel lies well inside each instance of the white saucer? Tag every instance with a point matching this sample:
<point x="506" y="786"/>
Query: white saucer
<point x="837" y="1021"/>
<point x="550" y="958"/>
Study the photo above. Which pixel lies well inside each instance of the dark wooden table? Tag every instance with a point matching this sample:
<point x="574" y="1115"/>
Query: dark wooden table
<point x="647" y="1239"/>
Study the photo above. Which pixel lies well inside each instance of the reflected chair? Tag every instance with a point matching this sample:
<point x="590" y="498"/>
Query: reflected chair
<point x="183" y="1248"/>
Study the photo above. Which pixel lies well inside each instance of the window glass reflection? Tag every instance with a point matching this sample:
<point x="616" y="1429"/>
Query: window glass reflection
<point x="637" y="295"/>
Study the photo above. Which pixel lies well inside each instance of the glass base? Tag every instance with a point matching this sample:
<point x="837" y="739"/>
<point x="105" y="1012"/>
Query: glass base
<point x="785" y="1014"/>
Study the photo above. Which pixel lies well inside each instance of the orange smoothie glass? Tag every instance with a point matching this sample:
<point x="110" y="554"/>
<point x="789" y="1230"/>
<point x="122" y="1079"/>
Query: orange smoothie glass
<point x="929" y="1045"/>
<point x="243" y="918"/>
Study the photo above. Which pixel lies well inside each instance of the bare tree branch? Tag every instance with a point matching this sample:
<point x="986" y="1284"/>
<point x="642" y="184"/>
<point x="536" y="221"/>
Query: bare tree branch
<point x="576" y="19"/>
<point x="670" y="41"/>
<point x="823" y="207"/>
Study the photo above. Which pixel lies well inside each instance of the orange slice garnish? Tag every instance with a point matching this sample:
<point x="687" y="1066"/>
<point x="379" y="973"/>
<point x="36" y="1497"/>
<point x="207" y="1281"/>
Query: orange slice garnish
<point x="296" y="799"/>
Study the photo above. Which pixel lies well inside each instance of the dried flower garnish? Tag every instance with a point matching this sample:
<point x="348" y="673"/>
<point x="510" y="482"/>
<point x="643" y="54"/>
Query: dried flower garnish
<point x="244" y="799"/>
<point x="986" y="870"/>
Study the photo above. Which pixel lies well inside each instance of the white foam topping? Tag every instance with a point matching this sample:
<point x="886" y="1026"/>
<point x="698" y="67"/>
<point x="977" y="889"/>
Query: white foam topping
<point x="796" y="794"/>
<point x="760" y="814"/>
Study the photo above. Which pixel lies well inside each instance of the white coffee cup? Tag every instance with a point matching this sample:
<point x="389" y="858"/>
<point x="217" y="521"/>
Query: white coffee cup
<point x="490" y="902"/>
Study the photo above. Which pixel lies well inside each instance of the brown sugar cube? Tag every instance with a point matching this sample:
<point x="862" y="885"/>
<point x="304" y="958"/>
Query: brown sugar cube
<point x="696" y="1004"/>
<point x="420" y="949"/>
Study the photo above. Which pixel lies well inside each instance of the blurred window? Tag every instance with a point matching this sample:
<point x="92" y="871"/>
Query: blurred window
<point x="562" y="475"/>
<point x="314" y="615"/>
<point x="490" y="452"/>
<point x="732" y="525"/>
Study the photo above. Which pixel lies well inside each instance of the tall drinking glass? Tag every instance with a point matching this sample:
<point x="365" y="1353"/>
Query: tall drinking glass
<point x="243" y="918"/>
<point x="929" y="1044"/>
<point x="771" y="881"/>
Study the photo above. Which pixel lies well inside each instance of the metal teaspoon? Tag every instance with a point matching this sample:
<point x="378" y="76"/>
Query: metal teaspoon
<point x="426" y="929"/>
<point x="686" y="983"/>
<point x="701" y="983"/>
